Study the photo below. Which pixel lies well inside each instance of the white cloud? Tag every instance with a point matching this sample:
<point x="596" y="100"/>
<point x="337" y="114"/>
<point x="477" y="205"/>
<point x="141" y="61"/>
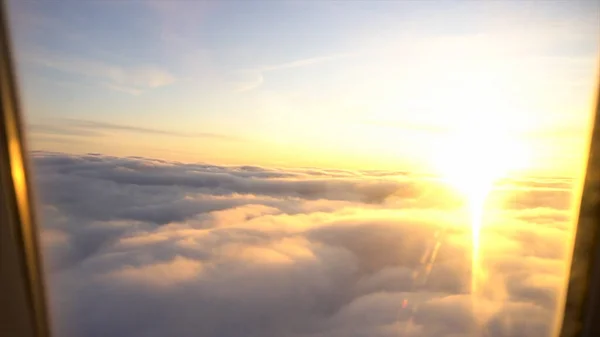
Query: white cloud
<point x="198" y="249"/>
<point x="169" y="273"/>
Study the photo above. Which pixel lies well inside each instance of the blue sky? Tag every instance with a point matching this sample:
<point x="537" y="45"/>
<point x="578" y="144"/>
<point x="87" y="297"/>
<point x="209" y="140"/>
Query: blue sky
<point x="312" y="80"/>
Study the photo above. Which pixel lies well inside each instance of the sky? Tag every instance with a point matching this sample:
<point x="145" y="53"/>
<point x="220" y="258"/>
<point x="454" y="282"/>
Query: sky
<point x="380" y="85"/>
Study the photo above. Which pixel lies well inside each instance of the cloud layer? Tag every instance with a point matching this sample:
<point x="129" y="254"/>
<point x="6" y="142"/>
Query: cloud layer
<point x="144" y="247"/>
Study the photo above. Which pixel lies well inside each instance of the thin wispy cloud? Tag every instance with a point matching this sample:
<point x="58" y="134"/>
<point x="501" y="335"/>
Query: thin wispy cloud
<point x="304" y="62"/>
<point x="257" y="79"/>
<point x="438" y="130"/>
<point x="129" y="79"/>
<point x="259" y="72"/>
<point x="78" y="127"/>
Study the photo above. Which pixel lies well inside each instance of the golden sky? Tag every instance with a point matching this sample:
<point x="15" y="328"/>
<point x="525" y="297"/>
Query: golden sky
<point x="399" y="85"/>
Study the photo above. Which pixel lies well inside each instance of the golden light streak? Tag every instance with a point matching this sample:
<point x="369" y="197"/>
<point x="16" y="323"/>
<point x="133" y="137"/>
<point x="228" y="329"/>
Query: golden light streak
<point x="480" y="145"/>
<point x="476" y="209"/>
<point x="472" y="161"/>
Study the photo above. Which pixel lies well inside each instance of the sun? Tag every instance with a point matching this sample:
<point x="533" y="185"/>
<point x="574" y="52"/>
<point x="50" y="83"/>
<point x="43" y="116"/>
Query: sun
<point x="477" y="150"/>
<point x="472" y="160"/>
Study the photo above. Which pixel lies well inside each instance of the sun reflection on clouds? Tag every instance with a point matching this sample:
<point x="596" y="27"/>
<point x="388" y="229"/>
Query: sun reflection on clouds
<point x="311" y="256"/>
<point x="479" y="149"/>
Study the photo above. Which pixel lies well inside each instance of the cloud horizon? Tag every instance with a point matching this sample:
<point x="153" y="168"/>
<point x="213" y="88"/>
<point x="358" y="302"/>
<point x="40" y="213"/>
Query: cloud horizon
<point x="135" y="246"/>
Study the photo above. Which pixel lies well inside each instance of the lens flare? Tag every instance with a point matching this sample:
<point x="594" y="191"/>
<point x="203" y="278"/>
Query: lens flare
<point x="476" y="202"/>
<point x="482" y="142"/>
<point x="472" y="161"/>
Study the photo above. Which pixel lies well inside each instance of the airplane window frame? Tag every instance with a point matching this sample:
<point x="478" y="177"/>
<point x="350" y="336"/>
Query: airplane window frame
<point x="581" y="311"/>
<point x="23" y="306"/>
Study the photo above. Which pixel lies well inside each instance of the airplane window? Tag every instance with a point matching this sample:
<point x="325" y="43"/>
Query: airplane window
<point x="307" y="168"/>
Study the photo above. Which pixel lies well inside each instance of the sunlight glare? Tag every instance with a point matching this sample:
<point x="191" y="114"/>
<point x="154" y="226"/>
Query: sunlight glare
<point x="475" y="153"/>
